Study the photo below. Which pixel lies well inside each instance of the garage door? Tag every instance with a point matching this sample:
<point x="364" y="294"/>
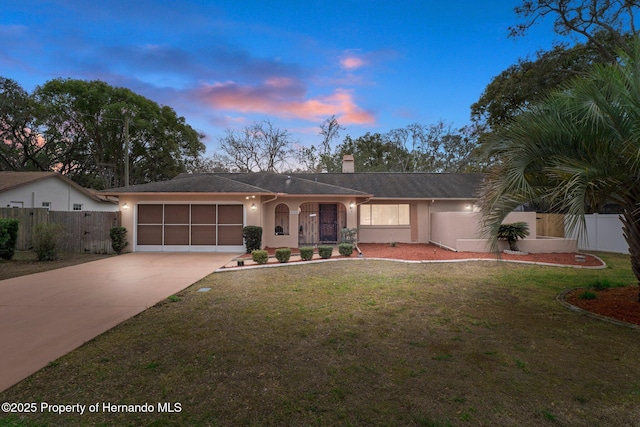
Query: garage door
<point x="189" y="227"/>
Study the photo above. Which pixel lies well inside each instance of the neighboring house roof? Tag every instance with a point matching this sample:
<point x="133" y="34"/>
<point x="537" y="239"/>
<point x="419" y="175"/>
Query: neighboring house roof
<point x="378" y="185"/>
<point x="12" y="180"/>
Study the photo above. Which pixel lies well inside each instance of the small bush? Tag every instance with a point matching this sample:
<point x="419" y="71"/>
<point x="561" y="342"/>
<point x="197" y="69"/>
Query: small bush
<point x="345" y="249"/>
<point x="325" y="251"/>
<point x="512" y="232"/>
<point x="283" y="254"/>
<point x="348" y="235"/>
<point x="260" y="256"/>
<point x="118" y="239"/>
<point x="306" y="254"/>
<point x="601" y="284"/>
<point x="252" y="235"/>
<point x="45" y="240"/>
<point x="8" y="237"/>
<point x="587" y="295"/>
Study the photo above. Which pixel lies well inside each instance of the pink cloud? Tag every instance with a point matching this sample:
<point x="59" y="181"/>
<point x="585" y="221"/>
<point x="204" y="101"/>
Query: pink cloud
<point x="351" y="62"/>
<point x="283" y="97"/>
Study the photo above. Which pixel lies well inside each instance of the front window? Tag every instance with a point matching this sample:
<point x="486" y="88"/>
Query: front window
<point x="394" y="214"/>
<point x="282" y="220"/>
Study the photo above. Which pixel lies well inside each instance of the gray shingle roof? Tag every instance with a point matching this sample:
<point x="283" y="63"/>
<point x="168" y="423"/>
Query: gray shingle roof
<point x="407" y="185"/>
<point x="192" y="183"/>
<point x="380" y="185"/>
<point x="293" y="184"/>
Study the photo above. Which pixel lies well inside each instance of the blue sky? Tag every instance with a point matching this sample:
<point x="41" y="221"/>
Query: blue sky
<point x="376" y="65"/>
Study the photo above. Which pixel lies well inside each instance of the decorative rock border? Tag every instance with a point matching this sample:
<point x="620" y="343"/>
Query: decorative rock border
<point x="295" y="260"/>
<point x="510" y="252"/>
<point x="561" y="299"/>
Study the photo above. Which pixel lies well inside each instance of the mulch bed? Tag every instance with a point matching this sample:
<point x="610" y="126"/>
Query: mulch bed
<point x="428" y="252"/>
<point x="617" y="303"/>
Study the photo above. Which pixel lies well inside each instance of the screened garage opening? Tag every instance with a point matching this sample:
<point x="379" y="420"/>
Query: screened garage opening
<point x="190" y="227"/>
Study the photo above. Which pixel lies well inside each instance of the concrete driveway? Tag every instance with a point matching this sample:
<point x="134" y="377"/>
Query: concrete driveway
<point x="45" y="315"/>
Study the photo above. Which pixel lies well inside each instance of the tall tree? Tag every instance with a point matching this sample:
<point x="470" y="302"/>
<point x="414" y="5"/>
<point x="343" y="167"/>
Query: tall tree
<point x="329" y="130"/>
<point x="371" y="153"/>
<point x="528" y="81"/>
<point x="20" y="145"/>
<point x="579" y="146"/>
<point x="590" y="19"/>
<point x="313" y="159"/>
<point x="259" y="147"/>
<point x="94" y="127"/>
<point x="414" y="148"/>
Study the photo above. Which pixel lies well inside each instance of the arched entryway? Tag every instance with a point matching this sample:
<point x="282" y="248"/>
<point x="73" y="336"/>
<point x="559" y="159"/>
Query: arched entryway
<point x="320" y="223"/>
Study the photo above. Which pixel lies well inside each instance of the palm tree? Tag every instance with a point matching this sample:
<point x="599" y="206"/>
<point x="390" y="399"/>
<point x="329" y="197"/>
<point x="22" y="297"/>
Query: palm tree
<point x="512" y="232"/>
<point x="578" y="146"/>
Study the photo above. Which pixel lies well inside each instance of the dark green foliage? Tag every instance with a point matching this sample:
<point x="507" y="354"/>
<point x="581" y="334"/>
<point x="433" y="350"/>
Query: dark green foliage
<point x="325" y="251"/>
<point x="414" y="148"/>
<point x="118" y="239"/>
<point x="348" y="235"/>
<point x="45" y="240"/>
<point x="8" y="237"/>
<point x="587" y="295"/>
<point x="283" y="254"/>
<point x="252" y="235"/>
<point x="306" y="254"/>
<point x="601" y="284"/>
<point x="345" y="249"/>
<point x="260" y="256"/>
<point x="512" y="232"/>
<point x="76" y="127"/>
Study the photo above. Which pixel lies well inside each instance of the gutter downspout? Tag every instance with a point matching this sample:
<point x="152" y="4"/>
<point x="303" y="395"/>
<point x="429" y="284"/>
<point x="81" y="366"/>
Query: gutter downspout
<point x="356" y="244"/>
<point x="265" y="202"/>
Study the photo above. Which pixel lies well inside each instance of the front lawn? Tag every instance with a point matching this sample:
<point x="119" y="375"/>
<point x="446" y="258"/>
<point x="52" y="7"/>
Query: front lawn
<point x="357" y="343"/>
<point x="26" y="262"/>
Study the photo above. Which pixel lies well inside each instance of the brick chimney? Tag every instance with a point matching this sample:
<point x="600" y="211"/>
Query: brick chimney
<point x="348" y="164"/>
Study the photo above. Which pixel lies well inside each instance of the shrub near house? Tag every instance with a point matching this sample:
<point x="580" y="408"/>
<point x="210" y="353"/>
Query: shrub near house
<point x="8" y="237"/>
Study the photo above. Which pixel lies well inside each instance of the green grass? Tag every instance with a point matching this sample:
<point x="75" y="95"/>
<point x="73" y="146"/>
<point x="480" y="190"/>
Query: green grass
<point x="358" y="343"/>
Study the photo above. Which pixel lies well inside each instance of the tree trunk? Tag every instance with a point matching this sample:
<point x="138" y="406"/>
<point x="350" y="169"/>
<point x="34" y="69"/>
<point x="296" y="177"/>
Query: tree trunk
<point x="631" y="230"/>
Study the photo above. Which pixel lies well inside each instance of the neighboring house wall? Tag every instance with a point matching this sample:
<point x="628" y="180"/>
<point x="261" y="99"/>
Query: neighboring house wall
<point x="60" y="195"/>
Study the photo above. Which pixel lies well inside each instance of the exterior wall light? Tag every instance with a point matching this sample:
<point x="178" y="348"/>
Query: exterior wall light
<point x="352" y="205"/>
<point x="125" y="206"/>
<point x="253" y="206"/>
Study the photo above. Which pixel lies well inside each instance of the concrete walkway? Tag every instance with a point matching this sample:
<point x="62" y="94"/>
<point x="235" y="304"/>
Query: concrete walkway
<point x="45" y="315"/>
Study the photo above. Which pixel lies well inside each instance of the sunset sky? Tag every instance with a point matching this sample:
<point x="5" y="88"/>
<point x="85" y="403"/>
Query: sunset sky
<point x="376" y="65"/>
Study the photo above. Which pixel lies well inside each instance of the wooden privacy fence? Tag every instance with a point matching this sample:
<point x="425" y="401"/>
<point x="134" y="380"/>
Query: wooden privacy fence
<point x="84" y="231"/>
<point x="550" y="225"/>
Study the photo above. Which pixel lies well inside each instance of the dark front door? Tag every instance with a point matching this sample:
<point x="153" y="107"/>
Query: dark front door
<point x="329" y="223"/>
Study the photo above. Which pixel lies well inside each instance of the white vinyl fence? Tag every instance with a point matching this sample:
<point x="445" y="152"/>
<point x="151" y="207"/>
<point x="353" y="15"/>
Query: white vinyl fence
<point x="604" y="233"/>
